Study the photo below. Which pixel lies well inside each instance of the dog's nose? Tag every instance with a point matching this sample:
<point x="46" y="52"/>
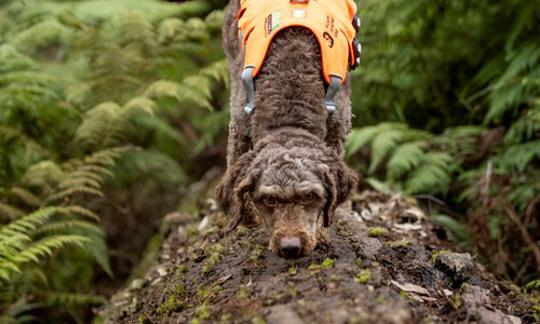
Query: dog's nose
<point x="290" y="247"/>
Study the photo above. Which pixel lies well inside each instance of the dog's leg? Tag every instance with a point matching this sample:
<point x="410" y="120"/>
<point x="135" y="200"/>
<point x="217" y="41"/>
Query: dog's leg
<point x="339" y="123"/>
<point x="239" y="139"/>
<point x="231" y="44"/>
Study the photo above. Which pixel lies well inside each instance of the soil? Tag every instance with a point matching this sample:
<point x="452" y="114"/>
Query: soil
<point x="386" y="264"/>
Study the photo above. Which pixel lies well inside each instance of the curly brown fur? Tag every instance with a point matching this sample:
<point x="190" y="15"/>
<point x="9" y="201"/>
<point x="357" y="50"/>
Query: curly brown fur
<point x="289" y="150"/>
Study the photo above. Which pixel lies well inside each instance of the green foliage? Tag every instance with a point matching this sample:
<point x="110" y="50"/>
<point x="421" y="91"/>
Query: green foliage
<point x="411" y="164"/>
<point x="456" y="115"/>
<point x="535" y="284"/>
<point x="95" y="95"/>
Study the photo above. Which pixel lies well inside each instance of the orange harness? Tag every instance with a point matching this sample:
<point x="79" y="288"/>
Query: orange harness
<point x="333" y="22"/>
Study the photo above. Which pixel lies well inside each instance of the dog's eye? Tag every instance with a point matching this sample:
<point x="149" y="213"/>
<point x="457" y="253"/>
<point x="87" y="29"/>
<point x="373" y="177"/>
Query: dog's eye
<point x="309" y="197"/>
<point x="269" y="201"/>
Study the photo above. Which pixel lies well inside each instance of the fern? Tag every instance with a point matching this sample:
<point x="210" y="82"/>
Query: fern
<point x="66" y="298"/>
<point x="80" y="87"/>
<point x="382" y="144"/>
<point x="105" y="124"/>
<point x="518" y="156"/>
<point x="534" y="284"/>
<point x="478" y="97"/>
<point x="15" y="238"/>
<point x="433" y="175"/>
<point x="405" y="158"/>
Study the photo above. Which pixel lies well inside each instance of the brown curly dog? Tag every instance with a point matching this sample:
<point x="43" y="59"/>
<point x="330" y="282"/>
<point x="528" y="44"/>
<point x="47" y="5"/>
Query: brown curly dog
<point x="285" y="164"/>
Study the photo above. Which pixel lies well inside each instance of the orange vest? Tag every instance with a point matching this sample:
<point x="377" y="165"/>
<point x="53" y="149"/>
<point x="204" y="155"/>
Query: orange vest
<point x="329" y="20"/>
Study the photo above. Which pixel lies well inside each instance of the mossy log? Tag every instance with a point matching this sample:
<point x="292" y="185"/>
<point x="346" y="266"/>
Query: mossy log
<point x="386" y="264"/>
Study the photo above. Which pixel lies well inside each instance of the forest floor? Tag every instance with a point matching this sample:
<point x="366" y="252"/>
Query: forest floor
<point x="386" y="264"/>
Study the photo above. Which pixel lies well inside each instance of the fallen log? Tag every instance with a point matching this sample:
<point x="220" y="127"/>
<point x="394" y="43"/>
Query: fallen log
<point x="387" y="263"/>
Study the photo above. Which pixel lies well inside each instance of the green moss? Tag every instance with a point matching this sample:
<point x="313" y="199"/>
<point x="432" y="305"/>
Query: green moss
<point x="327" y="263"/>
<point x="143" y="319"/>
<point x="202" y="312"/>
<point x="403" y="243"/>
<point x="213" y="256"/>
<point x="377" y="231"/>
<point x="380" y="300"/>
<point x="204" y="293"/>
<point x="404" y="295"/>
<point x="241" y="230"/>
<point x="363" y="276"/>
<point x="179" y="289"/>
<point x="436" y="254"/>
<point x="242" y="292"/>
<point x="359" y="262"/>
<point x="172" y="304"/>
<point x="192" y="232"/>
<point x="292" y="290"/>
<point x="225" y="318"/>
<point x="455" y="299"/>
<point x="256" y="253"/>
<point x="258" y="320"/>
<point x="181" y="271"/>
<point x="276" y="298"/>
<point x="292" y="270"/>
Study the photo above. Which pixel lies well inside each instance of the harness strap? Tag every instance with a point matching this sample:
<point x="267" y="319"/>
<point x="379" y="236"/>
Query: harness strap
<point x="249" y="86"/>
<point x="333" y="88"/>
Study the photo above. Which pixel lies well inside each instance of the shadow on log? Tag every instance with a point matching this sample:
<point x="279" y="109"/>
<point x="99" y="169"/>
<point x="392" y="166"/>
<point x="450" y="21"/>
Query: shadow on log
<point x="386" y="264"/>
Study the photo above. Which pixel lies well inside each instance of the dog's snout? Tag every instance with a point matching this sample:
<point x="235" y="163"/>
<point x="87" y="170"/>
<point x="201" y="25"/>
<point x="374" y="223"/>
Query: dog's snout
<point x="290" y="247"/>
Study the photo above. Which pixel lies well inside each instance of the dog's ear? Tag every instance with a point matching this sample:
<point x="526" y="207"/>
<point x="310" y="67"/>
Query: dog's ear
<point x="340" y="181"/>
<point x="233" y="193"/>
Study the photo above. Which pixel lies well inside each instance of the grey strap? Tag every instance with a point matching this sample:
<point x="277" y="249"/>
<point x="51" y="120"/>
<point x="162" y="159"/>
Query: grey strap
<point x="333" y="88"/>
<point x="247" y="80"/>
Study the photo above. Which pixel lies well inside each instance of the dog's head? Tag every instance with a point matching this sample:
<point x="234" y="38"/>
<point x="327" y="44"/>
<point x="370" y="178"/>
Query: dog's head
<point x="294" y="190"/>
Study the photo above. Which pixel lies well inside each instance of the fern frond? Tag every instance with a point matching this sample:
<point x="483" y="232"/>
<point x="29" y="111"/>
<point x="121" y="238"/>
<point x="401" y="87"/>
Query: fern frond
<point x="67" y="193"/>
<point x="41" y="34"/>
<point x="10" y="212"/>
<point x="81" y="181"/>
<point x="44" y="175"/>
<point x="359" y="138"/>
<point x="431" y="176"/>
<point x="525" y="128"/>
<point x="65" y="226"/>
<point x="534" y="284"/>
<point x="518" y="156"/>
<point x="82" y="212"/>
<point x="65" y="298"/>
<point x="382" y="145"/>
<point x="141" y="104"/>
<point x="27" y="223"/>
<point x="101" y="171"/>
<point x="521" y="60"/>
<point x="17" y="247"/>
<point x="45" y="247"/>
<point x="24" y="195"/>
<point x="406" y="157"/>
